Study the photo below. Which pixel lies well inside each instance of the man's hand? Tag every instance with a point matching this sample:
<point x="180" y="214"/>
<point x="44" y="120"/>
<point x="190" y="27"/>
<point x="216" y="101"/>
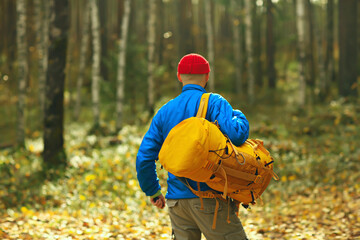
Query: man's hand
<point x="158" y="201"/>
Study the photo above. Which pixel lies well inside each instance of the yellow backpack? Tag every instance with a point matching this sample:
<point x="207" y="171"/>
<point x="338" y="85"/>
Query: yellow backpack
<point x="197" y="149"/>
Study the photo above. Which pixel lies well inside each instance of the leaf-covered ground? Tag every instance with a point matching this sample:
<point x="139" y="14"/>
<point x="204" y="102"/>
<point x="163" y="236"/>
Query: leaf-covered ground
<point x="98" y="197"/>
<point x="324" y="214"/>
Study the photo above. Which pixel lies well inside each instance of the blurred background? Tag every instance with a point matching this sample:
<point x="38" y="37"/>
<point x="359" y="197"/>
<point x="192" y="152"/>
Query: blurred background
<point x="81" y="79"/>
<point x="285" y="52"/>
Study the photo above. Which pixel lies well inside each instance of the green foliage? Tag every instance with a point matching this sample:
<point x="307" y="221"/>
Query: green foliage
<point x="316" y="149"/>
<point x="316" y="158"/>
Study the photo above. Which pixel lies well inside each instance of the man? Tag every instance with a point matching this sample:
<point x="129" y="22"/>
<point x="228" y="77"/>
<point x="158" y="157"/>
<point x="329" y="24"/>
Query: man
<point x="187" y="219"/>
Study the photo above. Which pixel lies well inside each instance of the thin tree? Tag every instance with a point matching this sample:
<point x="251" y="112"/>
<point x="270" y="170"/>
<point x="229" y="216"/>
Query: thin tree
<point x="22" y="69"/>
<point x="83" y="48"/>
<point x="238" y="50"/>
<point x="348" y="47"/>
<point x="151" y="54"/>
<point x="301" y="26"/>
<point x="250" y="50"/>
<point x="42" y="30"/>
<point x="184" y="22"/>
<point x="96" y="44"/>
<point x="270" y="45"/>
<point x="310" y="48"/>
<point x="210" y="43"/>
<point x="120" y="93"/>
<point x="329" y="55"/>
<point x="256" y="17"/>
<point x="54" y="154"/>
<point x="319" y="40"/>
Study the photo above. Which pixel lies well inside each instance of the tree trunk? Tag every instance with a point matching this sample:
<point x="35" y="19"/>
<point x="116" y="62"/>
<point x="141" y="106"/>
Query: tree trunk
<point x="238" y="50"/>
<point x="301" y="26"/>
<point x="96" y="44"/>
<point x="82" y="61"/>
<point x="249" y="50"/>
<point x="42" y="30"/>
<point x="318" y="37"/>
<point x="210" y="44"/>
<point x="184" y="27"/>
<point x="121" y="65"/>
<point x="256" y="31"/>
<point x="348" y="47"/>
<point x="310" y="49"/>
<point x="329" y="58"/>
<point x="54" y="154"/>
<point x="270" y="45"/>
<point x="22" y="70"/>
<point x="151" y="54"/>
<point x="104" y="19"/>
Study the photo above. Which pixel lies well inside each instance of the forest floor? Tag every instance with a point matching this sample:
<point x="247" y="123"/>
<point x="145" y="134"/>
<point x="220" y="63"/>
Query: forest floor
<point x="98" y="197"/>
<point x="325" y="214"/>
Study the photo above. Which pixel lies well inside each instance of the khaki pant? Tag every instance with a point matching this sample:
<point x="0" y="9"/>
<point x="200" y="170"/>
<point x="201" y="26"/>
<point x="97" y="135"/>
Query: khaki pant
<point x="189" y="221"/>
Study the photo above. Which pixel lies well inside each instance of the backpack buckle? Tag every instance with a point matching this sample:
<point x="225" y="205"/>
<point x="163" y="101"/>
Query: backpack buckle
<point x="259" y="179"/>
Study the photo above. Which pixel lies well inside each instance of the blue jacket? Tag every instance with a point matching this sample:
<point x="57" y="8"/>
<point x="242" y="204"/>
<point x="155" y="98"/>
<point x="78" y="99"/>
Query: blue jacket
<point x="233" y="123"/>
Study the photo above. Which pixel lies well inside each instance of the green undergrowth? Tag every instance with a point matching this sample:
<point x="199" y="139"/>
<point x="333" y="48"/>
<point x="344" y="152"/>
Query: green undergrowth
<point x="316" y="149"/>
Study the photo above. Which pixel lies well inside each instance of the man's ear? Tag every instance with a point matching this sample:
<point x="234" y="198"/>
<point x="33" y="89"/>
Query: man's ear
<point x="179" y="77"/>
<point x="207" y="76"/>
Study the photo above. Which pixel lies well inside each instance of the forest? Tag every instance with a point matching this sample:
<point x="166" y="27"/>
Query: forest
<point x="80" y="81"/>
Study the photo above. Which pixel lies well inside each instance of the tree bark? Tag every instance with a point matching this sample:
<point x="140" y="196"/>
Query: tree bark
<point x="210" y="44"/>
<point x="82" y="61"/>
<point x="238" y="50"/>
<point x="104" y="19"/>
<point x="121" y="65"/>
<point x="256" y="31"/>
<point x="270" y="45"/>
<point x="329" y="58"/>
<point x="249" y="50"/>
<point x="184" y="27"/>
<point x="22" y="70"/>
<point x="310" y="49"/>
<point x="319" y="40"/>
<point x="301" y="26"/>
<point x="348" y="47"/>
<point x="151" y="54"/>
<point x="42" y="30"/>
<point x="96" y="44"/>
<point x="54" y="154"/>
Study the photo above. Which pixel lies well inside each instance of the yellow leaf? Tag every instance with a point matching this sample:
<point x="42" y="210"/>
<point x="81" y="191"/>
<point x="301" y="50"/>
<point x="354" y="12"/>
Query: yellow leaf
<point x="115" y="187"/>
<point x="132" y="183"/>
<point x="92" y="205"/>
<point x="292" y="178"/>
<point x="17" y="166"/>
<point x="31" y="148"/>
<point x="24" y="209"/>
<point x="82" y="197"/>
<point x="90" y="177"/>
<point x="283" y="178"/>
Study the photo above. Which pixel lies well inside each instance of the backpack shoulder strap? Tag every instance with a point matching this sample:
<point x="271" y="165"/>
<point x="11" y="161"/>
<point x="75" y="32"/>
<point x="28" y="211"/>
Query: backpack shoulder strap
<point x="203" y="105"/>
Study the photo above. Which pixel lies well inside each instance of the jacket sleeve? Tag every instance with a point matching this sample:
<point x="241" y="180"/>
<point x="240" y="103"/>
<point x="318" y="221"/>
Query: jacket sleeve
<point x="233" y="123"/>
<point x="147" y="154"/>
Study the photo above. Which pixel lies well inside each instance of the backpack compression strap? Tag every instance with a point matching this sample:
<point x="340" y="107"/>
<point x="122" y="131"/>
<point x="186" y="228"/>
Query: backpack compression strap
<point x="203" y="105"/>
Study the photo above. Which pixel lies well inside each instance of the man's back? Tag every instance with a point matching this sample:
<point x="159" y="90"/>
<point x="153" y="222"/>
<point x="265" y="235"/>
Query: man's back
<point x="232" y="122"/>
<point x="187" y="220"/>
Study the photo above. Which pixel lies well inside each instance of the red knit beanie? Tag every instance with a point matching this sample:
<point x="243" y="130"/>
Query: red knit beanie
<point x="193" y="64"/>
